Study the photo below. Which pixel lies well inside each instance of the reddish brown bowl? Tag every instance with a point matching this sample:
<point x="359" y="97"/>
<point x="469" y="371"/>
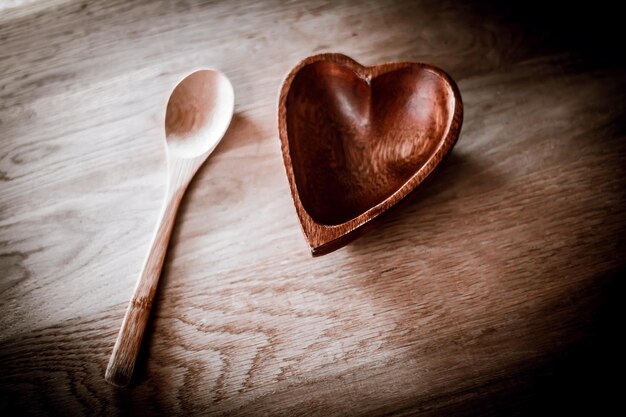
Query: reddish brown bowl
<point x="357" y="140"/>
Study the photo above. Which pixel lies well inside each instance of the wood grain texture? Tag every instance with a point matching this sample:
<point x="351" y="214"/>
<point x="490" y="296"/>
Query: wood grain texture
<point x="496" y="288"/>
<point x="358" y="140"/>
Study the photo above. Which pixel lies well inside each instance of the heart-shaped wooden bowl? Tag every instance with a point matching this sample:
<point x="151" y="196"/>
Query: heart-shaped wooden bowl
<point x="357" y="140"/>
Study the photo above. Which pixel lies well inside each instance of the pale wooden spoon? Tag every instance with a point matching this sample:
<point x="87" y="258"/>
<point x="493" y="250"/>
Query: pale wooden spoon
<point x="197" y="116"/>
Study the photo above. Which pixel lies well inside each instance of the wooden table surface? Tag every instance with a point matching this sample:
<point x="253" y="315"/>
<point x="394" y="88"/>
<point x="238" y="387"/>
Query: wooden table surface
<point x="493" y="291"/>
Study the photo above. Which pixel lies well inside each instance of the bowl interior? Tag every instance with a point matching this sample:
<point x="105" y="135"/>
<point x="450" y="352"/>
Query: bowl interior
<point x="354" y="141"/>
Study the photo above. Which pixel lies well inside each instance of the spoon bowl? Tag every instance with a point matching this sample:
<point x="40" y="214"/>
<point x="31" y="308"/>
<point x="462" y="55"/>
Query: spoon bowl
<point x="197" y="116"/>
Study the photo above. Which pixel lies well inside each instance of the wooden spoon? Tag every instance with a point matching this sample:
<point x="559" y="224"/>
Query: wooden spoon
<point x="198" y="114"/>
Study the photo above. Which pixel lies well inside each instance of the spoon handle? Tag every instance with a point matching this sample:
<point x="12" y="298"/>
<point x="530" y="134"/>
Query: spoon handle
<point x="122" y="361"/>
